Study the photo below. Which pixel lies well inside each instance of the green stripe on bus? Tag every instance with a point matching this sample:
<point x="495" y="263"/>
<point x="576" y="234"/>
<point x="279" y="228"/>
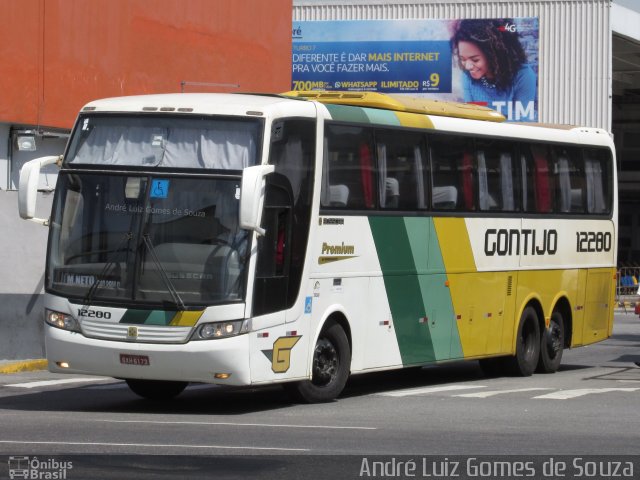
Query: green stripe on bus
<point x="436" y="295"/>
<point x="392" y="244"/>
<point x="136" y="317"/>
<point x="403" y="289"/>
<point x="376" y="116"/>
<point x="148" y="317"/>
<point x="382" y="117"/>
<point x="419" y="232"/>
<point x="419" y="298"/>
<point x="347" y="114"/>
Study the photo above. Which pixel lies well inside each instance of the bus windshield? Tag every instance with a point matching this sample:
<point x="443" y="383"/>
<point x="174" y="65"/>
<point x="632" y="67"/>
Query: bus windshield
<point x="147" y="239"/>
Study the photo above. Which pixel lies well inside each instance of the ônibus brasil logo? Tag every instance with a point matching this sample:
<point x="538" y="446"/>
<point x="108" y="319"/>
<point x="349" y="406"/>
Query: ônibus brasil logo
<point x="33" y="468"/>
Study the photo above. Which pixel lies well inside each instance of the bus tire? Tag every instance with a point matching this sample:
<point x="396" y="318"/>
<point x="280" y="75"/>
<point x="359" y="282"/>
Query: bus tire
<point x="551" y="345"/>
<point x="525" y="361"/>
<point x="156" y="390"/>
<point x="329" y="370"/>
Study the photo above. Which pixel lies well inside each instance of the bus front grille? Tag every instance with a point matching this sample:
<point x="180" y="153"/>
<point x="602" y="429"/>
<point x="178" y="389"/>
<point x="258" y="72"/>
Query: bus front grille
<point x="135" y="333"/>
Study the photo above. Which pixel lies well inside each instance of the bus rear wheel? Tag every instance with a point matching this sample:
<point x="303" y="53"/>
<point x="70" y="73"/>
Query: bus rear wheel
<point x="551" y="345"/>
<point x="329" y="370"/>
<point x="157" y="390"/>
<point x="525" y="361"/>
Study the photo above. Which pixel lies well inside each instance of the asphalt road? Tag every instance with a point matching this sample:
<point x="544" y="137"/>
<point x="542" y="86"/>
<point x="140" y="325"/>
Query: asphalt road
<point x="434" y="416"/>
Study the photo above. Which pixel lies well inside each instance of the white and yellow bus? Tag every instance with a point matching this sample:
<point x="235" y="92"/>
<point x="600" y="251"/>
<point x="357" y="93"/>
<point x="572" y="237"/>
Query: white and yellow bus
<point x="300" y="238"/>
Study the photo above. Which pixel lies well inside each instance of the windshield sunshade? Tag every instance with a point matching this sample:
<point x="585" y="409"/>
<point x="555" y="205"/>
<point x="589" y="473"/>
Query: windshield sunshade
<point x="165" y="141"/>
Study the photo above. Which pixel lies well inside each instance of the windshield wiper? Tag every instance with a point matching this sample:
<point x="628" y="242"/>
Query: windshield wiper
<point x="97" y="252"/>
<point x="177" y="300"/>
<point x="108" y="265"/>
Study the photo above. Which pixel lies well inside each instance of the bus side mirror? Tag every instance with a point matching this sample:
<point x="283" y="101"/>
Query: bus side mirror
<point x="28" y="187"/>
<point x="252" y="197"/>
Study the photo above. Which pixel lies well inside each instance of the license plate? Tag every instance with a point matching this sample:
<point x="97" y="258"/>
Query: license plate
<point x="142" y="360"/>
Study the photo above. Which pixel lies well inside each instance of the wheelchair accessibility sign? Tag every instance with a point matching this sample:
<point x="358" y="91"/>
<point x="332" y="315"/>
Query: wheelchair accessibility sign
<point x="307" y="304"/>
<point x="159" y="188"/>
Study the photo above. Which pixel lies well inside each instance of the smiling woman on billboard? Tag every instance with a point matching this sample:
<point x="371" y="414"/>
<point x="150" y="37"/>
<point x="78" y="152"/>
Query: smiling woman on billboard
<point x="494" y="62"/>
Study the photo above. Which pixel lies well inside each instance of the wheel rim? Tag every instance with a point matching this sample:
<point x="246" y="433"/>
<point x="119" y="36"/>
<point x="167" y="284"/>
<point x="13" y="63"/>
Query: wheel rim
<point x="325" y="362"/>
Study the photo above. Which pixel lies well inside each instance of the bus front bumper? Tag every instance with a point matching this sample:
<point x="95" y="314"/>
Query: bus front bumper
<point x="207" y="361"/>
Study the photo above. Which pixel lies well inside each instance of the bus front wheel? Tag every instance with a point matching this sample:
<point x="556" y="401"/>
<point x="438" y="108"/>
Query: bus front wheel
<point x="551" y="345"/>
<point x="329" y="370"/>
<point x="525" y="361"/>
<point x="156" y="389"/>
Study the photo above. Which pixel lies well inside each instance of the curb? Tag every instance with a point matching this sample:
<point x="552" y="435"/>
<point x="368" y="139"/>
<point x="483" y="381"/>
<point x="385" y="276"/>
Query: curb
<point x="23" y="366"/>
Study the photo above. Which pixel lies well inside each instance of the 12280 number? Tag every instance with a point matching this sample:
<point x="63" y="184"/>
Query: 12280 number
<point x="85" y="312"/>
<point x="593" y="241"/>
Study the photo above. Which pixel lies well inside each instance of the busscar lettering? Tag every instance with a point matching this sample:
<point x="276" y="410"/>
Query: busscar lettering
<point x="505" y="242"/>
<point x="332" y="221"/>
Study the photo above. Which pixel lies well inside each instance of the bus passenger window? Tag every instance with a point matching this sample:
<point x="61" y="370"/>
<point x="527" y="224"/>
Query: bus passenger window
<point x="453" y="173"/>
<point x="542" y="177"/>
<point x="597" y="165"/>
<point x="366" y="171"/>
<point x="402" y="173"/>
<point x="348" y="177"/>
<point x="570" y="180"/>
<point x="467" y="181"/>
<point x="495" y="175"/>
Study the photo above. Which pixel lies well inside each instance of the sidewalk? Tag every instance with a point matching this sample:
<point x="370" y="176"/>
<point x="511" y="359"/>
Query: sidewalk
<point x="15" y="366"/>
<point x="626" y="303"/>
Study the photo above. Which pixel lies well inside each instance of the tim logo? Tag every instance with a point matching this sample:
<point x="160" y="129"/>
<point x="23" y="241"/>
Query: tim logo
<point x="508" y="28"/>
<point x="280" y="356"/>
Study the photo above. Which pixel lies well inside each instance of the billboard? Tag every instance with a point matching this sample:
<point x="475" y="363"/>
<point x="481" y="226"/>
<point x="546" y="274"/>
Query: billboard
<point x="491" y="62"/>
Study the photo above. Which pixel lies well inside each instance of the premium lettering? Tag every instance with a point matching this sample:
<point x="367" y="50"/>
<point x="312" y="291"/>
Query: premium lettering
<point x="337" y="249"/>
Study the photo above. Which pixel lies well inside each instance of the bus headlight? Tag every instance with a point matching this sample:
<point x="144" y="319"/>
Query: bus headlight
<point x="210" y="331"/>
<point x="61" y="320"/>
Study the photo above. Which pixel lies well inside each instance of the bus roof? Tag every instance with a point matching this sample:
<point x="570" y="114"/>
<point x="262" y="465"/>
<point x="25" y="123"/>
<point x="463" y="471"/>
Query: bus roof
<point x="447" y="116"/>
<point x="195" y="103"/>
<point x="453" y="116"/>
<point x="402" y="103"/>
<point x="215" y="102"/>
